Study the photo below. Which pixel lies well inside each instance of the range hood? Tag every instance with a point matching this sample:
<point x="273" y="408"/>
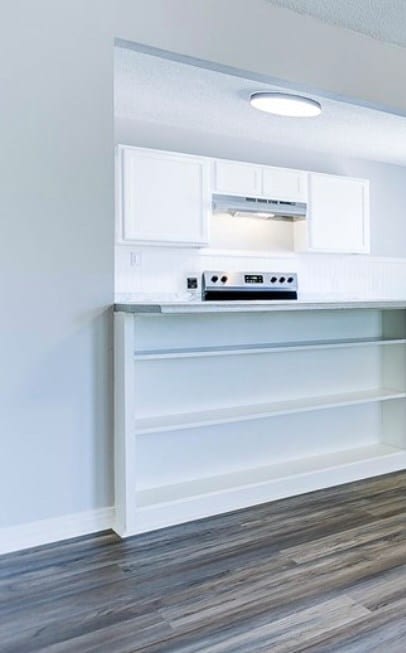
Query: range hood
<point x="258" y="207"/>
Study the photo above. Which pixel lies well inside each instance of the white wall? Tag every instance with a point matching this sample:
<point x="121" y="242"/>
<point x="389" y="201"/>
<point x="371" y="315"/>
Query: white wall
<point x="56" y="208"/>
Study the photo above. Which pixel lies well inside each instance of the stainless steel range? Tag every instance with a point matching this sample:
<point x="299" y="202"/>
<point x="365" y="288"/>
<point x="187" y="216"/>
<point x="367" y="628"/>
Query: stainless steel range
<point x="220" y="285"/>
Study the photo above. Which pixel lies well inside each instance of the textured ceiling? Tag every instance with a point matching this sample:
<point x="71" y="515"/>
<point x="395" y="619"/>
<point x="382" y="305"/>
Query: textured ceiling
<point x="382" y="19"/>
<point x="162" y="92"/>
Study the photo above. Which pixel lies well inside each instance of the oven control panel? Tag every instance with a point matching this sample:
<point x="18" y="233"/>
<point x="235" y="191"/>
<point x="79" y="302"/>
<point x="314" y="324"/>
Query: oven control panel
<point x="250" y="280"/>
<point x="221" y="285"/>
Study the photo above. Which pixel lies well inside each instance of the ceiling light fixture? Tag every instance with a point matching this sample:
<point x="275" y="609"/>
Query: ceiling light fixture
<point x="284" y="104"/>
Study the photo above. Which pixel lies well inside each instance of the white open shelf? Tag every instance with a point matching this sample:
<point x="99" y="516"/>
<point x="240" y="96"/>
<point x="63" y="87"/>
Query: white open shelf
<point x="285" y="426"/>
<point x="228" y="350"/>
<point x="258" y="411"/>
<point x="266" y="476"/>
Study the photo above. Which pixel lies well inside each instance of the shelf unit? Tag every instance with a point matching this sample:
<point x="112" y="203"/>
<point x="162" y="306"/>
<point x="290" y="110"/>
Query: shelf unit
<point x="181" y="502"/>
<point x="219" y="412"/>
<point x="260" y="476"/>
<point x="264" y="348"/>
<point x="163" y="423"/>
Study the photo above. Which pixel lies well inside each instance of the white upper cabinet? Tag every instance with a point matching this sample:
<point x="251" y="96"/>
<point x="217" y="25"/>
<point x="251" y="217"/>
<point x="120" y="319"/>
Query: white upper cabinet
<point x="338" y="214"/>
<point x="232" y="178"/>
<point x="163" y="198"/>
<point x="284" y="184"/>
<point x="235" y="178"/>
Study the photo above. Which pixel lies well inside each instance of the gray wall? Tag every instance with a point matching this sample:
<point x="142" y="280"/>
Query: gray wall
<point x="56" y="261"/>
<point x="56" y="208"/>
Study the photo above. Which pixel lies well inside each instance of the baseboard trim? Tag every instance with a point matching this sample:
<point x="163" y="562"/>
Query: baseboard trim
<point x="46" y="531"/>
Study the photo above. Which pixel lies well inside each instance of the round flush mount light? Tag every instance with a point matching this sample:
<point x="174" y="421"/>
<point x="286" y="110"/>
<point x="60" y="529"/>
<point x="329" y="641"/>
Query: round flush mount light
<point x="285" y="104"/>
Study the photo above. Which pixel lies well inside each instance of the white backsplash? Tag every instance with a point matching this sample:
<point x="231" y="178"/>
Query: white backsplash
<point x="160" y="272"/>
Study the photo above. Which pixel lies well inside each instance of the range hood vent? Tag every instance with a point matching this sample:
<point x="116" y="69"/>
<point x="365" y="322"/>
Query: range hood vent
<point x="257" y="207"/>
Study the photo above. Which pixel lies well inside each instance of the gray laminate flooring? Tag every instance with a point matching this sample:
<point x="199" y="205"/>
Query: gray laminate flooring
<point x="324" y="572"/>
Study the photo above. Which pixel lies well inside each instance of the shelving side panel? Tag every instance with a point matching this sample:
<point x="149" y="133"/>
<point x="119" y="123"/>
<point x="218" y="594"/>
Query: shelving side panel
<point x="393" y="323"/>
<point x="393" y="366"/>
<point x="394" y="423"/>
<point x="124" y="420"/>
<point x="394" y="371"/>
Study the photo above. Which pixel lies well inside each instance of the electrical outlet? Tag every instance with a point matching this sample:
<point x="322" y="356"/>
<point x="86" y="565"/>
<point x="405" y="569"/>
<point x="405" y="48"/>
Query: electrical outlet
<point x="193" y="287"/>
<point x="135" y="258"/>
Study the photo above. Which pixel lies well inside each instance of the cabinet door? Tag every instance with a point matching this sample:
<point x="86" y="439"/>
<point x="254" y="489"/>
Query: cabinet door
<point x="164" y="197"/>
<point x="237" y="178"/>
<point x="282" y="184"/>
<point x="338" y="214"/>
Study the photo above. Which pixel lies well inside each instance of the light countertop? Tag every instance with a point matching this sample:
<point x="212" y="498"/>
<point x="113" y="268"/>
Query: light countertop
<point x="195" y="307"/>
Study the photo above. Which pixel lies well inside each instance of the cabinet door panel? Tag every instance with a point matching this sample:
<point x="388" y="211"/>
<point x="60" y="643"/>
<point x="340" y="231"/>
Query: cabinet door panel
<point x="165" y="197"/>
<point x="237" y="178"/>
<point x="338" y="214"/>
<point x="280" y="184"/>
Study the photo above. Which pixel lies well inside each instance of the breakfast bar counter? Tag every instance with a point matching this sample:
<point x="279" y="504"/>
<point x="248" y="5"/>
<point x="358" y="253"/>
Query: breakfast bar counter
<point x="193" y="307"/>
<point x="220" y="405"/>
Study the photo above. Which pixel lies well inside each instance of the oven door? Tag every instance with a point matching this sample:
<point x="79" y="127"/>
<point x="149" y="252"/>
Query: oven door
<point x="228" y="294"/>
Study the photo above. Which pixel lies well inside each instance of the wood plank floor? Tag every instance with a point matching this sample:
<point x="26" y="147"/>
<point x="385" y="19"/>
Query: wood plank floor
<point x="324" y="572"/>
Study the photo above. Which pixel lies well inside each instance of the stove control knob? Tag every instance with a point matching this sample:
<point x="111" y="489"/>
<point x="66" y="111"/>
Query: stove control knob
<point x="282" y="279"/>
<point x="223" y="279"/>
<point x="274" y="279"/>
<point x="214" y="278"/>
<point x="290" y="280"/>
